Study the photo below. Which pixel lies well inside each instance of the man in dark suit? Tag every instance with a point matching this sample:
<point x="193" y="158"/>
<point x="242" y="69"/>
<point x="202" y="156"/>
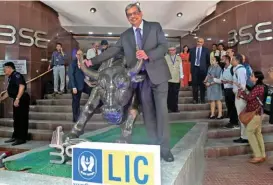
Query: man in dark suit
<point x="200" y="60"/>
<point x="152" y="44"/>
<point x="77" y="84"/>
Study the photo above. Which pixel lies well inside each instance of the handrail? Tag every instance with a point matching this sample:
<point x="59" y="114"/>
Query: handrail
<point x="31" y="80"/>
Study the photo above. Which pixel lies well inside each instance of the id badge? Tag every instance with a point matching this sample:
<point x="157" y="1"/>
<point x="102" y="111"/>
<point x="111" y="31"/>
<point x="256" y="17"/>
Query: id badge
<point x="268" y="100"/>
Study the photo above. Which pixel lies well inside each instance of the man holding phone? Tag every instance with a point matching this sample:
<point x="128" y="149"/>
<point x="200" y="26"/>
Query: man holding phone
<point x="58" y="65"/>
<point x="227" y="80"/>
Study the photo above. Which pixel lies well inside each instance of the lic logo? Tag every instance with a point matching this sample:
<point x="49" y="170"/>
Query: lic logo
<point x="87" y="165"/>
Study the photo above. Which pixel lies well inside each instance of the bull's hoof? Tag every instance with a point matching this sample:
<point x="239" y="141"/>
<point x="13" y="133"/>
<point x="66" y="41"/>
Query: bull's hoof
<point x="123" y="140"/>
<point x="70" y="136"/>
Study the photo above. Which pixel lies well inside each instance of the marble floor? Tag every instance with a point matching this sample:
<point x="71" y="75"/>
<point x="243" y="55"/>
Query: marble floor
<point x="237" y="171"/>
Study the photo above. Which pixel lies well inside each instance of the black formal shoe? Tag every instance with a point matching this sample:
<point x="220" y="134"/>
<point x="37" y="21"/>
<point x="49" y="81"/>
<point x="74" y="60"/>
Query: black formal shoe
<point x="18" y="142"/>
<point x="212" y="117"/>
<point x="10" y="140"/>
<point x="203" y="102"/>
<point x="240" y="140"/>
<point x="271" y="168"/>
<point x="168" y="157"/>
<point x="195" y="102"/>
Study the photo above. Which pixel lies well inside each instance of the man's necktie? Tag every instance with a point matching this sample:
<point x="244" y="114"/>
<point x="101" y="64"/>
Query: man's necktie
<point x="139" y="38"/>
<point x="139" y="43"/>
<point x="198" y="57"/>
<point x="96" y="52"/>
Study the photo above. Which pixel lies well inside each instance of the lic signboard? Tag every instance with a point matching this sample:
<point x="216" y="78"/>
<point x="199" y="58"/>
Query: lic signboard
<point x="115" y="164"/>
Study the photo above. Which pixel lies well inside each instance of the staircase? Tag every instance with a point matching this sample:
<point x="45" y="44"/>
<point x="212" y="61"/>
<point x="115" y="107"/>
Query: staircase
<point x="220" y="140"/>
<point x="57" y="111"/>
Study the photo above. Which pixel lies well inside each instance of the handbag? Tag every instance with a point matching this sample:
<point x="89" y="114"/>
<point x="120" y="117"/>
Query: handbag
<point x="246" y="117"/>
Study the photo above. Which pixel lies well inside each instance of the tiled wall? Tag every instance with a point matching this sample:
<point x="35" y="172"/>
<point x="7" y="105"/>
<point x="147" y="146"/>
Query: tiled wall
<point x="37" y="16"/>
<point x="260" y="54"/>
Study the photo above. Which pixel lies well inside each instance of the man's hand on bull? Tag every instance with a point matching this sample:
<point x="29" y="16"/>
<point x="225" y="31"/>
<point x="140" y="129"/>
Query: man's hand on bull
<point x="140" y="54"/>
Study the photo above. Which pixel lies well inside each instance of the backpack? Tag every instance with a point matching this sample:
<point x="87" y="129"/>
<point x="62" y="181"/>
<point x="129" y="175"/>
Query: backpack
<point x="268" y="92"/>
<point x="234" y="72"/>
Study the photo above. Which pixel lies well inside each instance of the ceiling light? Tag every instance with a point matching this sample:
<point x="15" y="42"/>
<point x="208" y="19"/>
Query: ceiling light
<point x="208" y="38"/>
<point x="110" y="33"/>
<point x="224" y="20"/>
<point x="221" y="41"/>
<point x="179" y="14"/>
<point x="93" y="10"/>
<point x="71" y="31"/>
<point x="166" y="35"/>
<point x="195" y="37"/>
<point x="90" y="32"/>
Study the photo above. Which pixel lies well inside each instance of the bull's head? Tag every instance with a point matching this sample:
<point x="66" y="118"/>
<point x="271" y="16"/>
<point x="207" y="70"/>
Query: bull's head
<point x="116" y="88"/>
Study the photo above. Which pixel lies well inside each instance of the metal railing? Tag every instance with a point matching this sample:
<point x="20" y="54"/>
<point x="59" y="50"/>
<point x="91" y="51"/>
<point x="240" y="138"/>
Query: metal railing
<point x="2" y="98"/>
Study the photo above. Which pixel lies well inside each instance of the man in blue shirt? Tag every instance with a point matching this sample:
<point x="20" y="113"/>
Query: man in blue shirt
<point x="57" y="63"/>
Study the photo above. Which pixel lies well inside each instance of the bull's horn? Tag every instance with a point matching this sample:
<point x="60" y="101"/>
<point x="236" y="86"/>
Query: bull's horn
<point x="135" y="70"/>
<point x="88" y="72"/>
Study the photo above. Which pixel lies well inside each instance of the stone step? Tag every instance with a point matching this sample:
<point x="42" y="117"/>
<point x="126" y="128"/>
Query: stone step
<point x="181" y="100"/>
<point x="59" y="108"/>
<point x="235" y="132"/>
<point x="223" y="122"/>
<point x="186" y="115"/>
<point x="85" y="96"/>
<point x="35" y="134"/>
<point x="21" y="148"/>
<point x="226" y="147"/>
<point x="53" y="124"/>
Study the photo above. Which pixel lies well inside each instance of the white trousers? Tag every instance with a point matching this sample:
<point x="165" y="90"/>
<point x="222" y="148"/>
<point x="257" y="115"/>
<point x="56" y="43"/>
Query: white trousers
<point x="240" y="105"/>
<point x="59" y="72"/>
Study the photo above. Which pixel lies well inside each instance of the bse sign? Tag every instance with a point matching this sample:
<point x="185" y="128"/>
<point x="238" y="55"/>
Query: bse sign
<point x="245" y="36"/>
<point x="115" y="164"/>
<point x="8" y="35"/>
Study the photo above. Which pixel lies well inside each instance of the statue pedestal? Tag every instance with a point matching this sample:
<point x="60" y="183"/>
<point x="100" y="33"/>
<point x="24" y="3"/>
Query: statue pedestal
<point x="187" y="169"/>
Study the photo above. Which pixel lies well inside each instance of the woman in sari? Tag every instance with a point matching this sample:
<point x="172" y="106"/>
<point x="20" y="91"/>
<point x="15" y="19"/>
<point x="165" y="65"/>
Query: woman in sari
<point x="185" y="55"/>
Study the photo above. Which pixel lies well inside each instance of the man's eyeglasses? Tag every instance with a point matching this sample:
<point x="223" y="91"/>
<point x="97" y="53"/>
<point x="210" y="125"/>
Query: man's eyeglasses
<point x="131" y="14"/>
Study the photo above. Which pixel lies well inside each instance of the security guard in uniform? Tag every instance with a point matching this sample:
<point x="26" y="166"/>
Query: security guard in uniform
<point x="17" y="91"/>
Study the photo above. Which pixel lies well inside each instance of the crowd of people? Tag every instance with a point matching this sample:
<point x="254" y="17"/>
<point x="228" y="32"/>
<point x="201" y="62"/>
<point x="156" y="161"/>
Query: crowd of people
<point x="223" y="74"/>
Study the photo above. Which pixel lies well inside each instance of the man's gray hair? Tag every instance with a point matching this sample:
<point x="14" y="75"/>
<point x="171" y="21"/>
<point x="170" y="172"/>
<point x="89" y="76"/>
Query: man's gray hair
<point x="129" y="6"/>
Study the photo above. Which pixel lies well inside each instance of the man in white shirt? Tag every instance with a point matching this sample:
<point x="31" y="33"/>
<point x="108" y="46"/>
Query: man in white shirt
<point x="239" y="82"/>
<point x="94" y="51"/>
<point x="222" y="54"/>
<point x="227" y="81"/>
<point x="175" y="65"/>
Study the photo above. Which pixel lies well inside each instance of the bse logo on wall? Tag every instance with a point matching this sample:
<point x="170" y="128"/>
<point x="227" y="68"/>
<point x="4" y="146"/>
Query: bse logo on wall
<point x="115" y="164"/>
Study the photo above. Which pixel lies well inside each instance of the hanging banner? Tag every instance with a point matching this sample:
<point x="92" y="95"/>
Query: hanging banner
<point x="20" y="66"/>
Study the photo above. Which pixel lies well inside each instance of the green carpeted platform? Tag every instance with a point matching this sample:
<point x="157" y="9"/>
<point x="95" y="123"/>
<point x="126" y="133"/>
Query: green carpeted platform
<point x="38" y="162"/>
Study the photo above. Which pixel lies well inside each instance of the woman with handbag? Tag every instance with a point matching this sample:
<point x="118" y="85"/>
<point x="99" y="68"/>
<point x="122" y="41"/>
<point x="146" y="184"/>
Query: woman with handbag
<point x="252" y="117"/>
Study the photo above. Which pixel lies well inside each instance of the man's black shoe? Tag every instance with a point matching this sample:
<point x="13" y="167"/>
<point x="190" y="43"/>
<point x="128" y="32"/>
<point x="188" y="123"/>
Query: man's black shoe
<point x="240" y="140"/>
<point x="168" y="157"/>
<point x="195" y="102"/>
<point x="18" y="142"/>
<point x="10" y="140"/>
